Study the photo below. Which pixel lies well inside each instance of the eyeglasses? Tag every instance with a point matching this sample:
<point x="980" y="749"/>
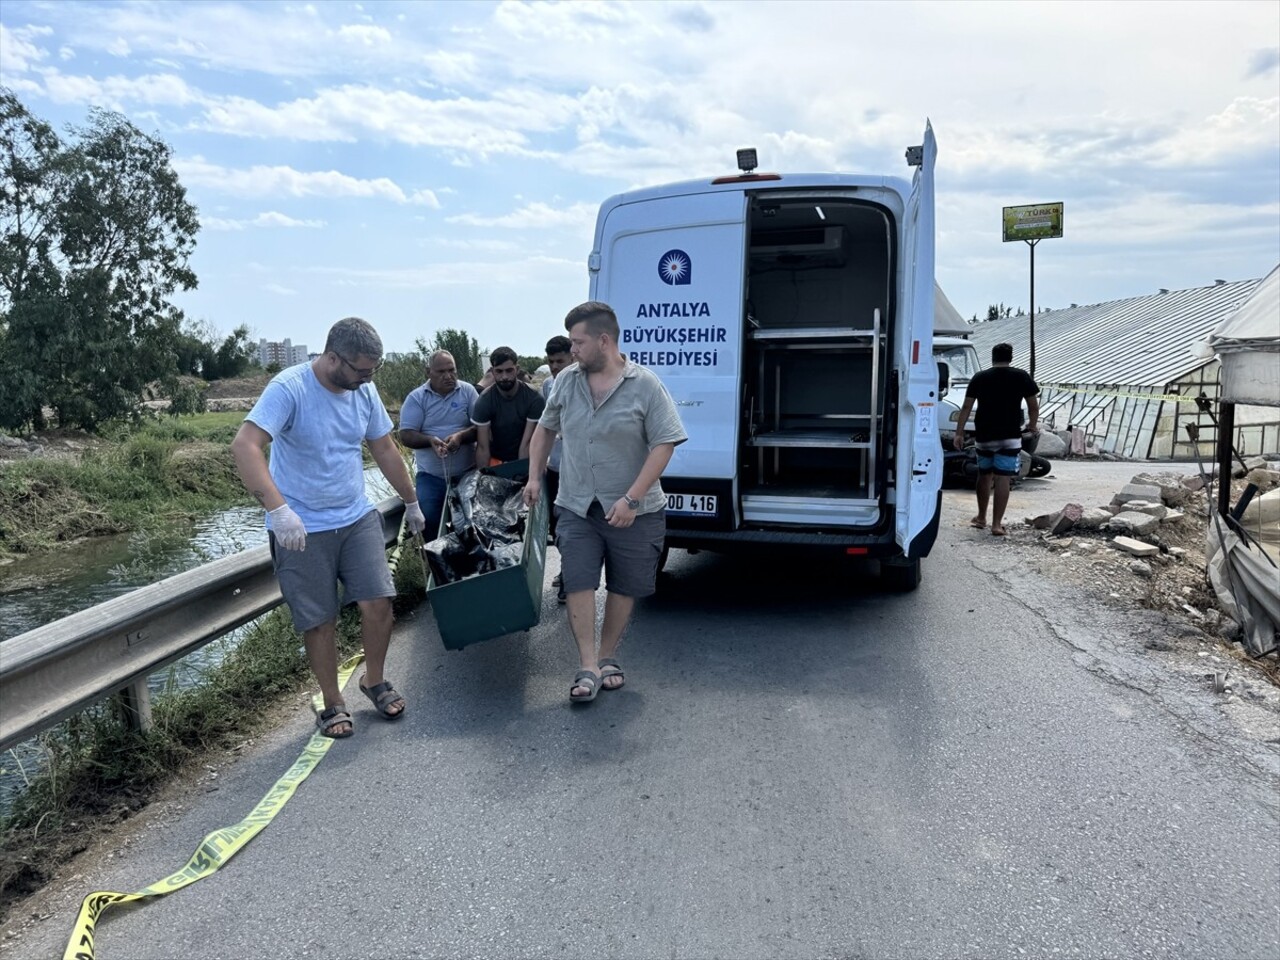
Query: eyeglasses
<point x="364" y="373"/>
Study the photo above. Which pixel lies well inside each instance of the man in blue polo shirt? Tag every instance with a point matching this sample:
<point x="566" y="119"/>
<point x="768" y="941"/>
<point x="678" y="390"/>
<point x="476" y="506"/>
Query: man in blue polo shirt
<point x="435" y="422"/>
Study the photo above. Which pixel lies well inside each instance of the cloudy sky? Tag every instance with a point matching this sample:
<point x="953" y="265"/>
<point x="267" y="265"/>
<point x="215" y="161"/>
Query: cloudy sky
<point x="439" y="164"/>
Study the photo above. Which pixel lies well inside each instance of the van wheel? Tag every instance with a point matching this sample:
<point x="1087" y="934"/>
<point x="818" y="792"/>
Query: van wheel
<point x="662" y="558"/>
<point x="900" y="576"/>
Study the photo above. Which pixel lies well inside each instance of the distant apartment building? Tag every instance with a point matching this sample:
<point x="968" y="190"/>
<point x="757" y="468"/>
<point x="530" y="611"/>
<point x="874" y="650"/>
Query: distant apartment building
<point x="285" y="353"/>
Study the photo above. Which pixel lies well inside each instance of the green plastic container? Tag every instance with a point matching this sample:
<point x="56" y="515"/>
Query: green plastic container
<point x="494" y="604"/>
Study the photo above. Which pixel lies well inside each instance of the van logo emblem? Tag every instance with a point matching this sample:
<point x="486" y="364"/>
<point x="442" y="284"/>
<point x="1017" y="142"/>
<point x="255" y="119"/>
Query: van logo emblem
<point x="675" y="268"/>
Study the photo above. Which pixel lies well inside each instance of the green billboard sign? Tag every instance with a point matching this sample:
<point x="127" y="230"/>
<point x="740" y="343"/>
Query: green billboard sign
<point x="1036" y="221"/>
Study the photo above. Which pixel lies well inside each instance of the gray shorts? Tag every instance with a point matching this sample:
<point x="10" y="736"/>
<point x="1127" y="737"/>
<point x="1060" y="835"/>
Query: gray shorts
<point x="629" y="554"/>
<point x="355" y="555"/>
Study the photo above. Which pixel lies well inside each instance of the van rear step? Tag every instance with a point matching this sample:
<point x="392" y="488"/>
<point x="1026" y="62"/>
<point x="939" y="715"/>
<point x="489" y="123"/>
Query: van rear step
<point x="811" y="511"/>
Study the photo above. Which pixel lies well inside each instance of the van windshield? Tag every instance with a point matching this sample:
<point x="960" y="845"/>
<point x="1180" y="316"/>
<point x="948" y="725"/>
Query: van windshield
<point x="963" y="361"/>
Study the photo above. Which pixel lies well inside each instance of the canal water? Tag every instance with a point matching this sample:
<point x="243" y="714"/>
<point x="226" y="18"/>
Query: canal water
<point x="35" y="591"/>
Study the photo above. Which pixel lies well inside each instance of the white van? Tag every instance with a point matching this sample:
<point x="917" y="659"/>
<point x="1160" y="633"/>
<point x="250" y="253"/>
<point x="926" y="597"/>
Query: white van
<point x="791" y="319"/>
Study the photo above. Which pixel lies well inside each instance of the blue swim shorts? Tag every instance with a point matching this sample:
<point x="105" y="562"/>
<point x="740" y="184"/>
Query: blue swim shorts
<point x="999" y="457"/>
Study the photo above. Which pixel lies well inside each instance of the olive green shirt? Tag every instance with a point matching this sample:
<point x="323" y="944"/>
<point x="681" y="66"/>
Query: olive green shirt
<point x="605" y="448"/>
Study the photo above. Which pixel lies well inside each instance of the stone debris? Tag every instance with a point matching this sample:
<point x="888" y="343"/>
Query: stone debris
<point x="1130" y="521"/>
<point x="1157" y="510"/>
<point x="1135" y="547"/>
<point x="1094" y="518"/>
<point x="1193" y="484"/>
<point x="1172" y="492"/>
<point x="1060" y="521"/>
<point x="1136" y="491"/>
<point x="1173" y="515"/>
<point x="1253" y="463"/>
<point x="1264" y="479"/>
<point x="1140" y="567"/>
<point x="1051" y="445"/>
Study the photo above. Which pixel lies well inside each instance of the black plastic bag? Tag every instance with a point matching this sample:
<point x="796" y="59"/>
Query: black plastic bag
<point x="487" y="515"/>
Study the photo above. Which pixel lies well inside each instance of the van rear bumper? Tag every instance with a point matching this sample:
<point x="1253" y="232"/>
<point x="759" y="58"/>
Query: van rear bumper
<point x="833" y="543"/>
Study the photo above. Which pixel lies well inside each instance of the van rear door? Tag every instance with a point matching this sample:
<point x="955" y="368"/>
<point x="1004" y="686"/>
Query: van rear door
<point x="672" y="268"/>
<point x="919" y="452"/>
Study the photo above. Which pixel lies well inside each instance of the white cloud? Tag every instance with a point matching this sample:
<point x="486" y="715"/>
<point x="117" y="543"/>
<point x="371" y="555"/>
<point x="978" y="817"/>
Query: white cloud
<point x="262" y="181"/>
<point x="268" y="219"/>
<point x="1247" y="124"/>
<point x="459" y="243"/>
<point x="280" y="290"/>
<point x="531" y="270"/>
<point x="365" y="35"/>
<point x="533" y="216"/>
<point x="118" y="92"/>
<point x="119" y="47"/>
<point x="18" y="50"/>
<point x="351" y="113"/>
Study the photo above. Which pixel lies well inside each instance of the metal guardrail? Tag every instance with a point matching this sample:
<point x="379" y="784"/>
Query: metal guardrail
<point x="56" y="671"/>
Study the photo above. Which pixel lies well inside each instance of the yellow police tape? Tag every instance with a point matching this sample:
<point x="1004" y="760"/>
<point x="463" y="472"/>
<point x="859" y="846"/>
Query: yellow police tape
<point x="218" y="847"/>
<point x="1168" y="397"/>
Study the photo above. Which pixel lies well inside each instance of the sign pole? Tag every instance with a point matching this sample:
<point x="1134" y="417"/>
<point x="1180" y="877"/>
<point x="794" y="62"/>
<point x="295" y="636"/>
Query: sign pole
<point x="1031" y="224"/>
<point x="1032" y="323"/>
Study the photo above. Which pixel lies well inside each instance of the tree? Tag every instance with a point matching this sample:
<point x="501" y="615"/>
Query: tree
<point x="232" y="357"/>
<point x="97" y="235"/>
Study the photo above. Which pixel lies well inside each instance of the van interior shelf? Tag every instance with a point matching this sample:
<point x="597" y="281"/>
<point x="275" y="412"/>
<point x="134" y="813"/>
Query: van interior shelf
<point x="822" y="439"/>
<point x="810" y="333"/>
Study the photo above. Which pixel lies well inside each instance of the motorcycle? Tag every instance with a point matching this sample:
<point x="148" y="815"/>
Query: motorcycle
<point x="961" y="466"/>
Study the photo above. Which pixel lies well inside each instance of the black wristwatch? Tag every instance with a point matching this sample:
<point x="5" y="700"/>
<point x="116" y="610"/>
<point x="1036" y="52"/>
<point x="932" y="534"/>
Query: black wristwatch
<point x="633" y="504"/>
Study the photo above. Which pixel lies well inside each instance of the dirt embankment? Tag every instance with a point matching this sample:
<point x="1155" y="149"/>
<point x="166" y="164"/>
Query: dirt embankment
<point x="238" y="388"/>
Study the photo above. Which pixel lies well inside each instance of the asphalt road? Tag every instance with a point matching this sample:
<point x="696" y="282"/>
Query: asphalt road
<point x="799" y="766"/>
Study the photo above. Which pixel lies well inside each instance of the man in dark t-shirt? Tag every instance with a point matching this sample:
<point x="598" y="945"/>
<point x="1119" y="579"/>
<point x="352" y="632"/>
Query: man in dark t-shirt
<point x="506" y="413"/>
<point x="999" y="392"/>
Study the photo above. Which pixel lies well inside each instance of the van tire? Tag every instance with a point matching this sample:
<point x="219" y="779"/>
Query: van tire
<point x="900" y="576"/>
<point x="662" y="558"/>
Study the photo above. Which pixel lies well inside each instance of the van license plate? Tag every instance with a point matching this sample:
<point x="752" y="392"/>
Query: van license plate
<point x="692" y="504"/>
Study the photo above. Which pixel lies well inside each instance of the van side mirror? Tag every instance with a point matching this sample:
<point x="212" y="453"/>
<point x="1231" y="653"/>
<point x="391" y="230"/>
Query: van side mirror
<point x="944" y="379"/>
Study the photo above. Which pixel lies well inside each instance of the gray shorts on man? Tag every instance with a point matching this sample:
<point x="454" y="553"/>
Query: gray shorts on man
<point x="354" y="555"/>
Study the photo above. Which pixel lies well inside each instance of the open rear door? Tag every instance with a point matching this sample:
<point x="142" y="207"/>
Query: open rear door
<point x="672" y="269"/>
<point x="919" y="454"/>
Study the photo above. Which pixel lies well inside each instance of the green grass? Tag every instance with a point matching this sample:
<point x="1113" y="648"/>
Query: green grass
<point x="212" y="427"/>
<point x="151" y="476"/>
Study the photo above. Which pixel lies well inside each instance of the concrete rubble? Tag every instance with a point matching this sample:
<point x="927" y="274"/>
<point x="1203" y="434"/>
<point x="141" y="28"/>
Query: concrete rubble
<point x="1136" y="511"/>
<point x="1135" y="547"/>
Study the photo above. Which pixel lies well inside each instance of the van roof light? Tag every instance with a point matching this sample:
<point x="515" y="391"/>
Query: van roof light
<point x="747" y="160"/>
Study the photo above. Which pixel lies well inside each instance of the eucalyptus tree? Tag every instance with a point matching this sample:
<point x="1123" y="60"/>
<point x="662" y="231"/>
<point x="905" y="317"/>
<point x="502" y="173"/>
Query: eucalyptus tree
<point x="97" y="238"/>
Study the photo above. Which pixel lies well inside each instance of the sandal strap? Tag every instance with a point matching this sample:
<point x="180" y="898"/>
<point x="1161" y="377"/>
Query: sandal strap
<point x="382" y="694"/>
<point x="330" y="717"/>
<point x="610" y="662"/>
<point x="586" y="678"/>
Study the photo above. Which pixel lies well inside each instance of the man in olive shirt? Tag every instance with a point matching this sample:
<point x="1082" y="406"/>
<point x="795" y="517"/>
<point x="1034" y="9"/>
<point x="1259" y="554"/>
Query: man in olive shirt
<point x="618" y="428"/>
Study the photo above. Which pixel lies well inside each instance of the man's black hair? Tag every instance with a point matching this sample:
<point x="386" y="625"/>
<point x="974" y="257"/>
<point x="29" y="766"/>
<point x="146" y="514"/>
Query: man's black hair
<point x="501" y="356"/>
